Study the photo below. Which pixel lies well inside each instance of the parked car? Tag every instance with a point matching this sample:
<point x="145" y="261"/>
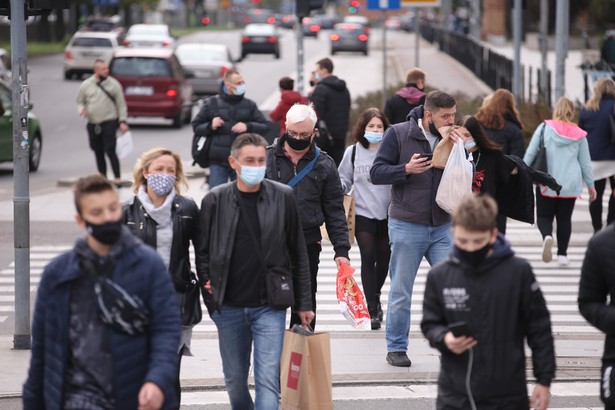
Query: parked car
<point x="149" y="35"/>
<point x="260" y="39"/>
<point x="349" y="37"/>
<point x="6" y="130"/>
<point x="111" y="24"/>
<point x="84" y="48"/>
<point x="154" y="82"/>
<point x="208" y="62"/>
<point x="310" y="27"/>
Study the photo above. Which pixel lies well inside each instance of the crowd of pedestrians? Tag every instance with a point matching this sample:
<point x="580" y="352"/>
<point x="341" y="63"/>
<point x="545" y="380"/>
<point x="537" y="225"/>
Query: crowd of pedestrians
<point x="114" y="315"/>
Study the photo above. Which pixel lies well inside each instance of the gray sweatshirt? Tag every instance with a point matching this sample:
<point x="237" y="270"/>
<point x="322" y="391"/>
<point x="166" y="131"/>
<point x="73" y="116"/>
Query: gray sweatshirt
<point x="371" y="201"/>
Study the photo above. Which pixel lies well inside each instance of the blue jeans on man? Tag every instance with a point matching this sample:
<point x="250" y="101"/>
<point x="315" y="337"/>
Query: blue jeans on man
<point x="409" y="243"/>
<point x="220" y="174"/>
<point x="238" y="327"/>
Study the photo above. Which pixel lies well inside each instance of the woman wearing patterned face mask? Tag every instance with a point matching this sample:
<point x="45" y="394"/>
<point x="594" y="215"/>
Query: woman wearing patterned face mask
<point x="371" y="205"/>
<point x="168" y="222"/>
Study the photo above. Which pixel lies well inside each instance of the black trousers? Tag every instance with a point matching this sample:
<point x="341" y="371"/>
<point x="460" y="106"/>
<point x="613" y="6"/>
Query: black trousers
<point x="373" y="240"/>
<point x="102" y="141"/>
<point x="313" y="251"/>
<point x="595" y="208"/>
<point x="559" y="208"/>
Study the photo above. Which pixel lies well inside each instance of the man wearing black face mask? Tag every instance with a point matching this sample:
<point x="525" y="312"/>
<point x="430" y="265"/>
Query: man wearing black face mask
<point x="295" y="160"/>
<point x="82" y="356"/>
<point x="496" y="297"/>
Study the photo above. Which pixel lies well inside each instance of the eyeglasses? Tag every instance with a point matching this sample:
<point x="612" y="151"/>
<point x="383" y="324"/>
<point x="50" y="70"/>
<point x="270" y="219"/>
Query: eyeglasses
<point x="302" y="136"/>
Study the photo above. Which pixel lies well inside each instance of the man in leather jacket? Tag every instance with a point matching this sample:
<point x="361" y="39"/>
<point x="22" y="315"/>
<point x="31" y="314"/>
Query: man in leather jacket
<point x="238" y="220"/>
<point x="319" y="192"/>
<point x="596" y="285"/>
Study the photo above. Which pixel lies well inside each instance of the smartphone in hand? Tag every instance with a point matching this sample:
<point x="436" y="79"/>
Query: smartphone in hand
<point x="460" y="329"/>
<point x="428" y="155"/>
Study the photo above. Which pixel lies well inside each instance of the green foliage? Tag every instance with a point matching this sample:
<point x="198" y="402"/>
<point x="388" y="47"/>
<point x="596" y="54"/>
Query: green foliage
<point x="35" y="49"/>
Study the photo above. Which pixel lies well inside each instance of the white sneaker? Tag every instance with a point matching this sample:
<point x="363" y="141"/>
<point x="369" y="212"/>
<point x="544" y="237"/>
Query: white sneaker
<point x="547" y="246"/>
<point x="562" y="260"/>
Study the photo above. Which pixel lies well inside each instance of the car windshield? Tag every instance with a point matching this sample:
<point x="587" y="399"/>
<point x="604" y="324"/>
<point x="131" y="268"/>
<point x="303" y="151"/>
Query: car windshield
<point x="101" y="26"/>
<point x="198" y="54"/>
<point x="149" y="29"/>
<point x="140" y="67"/>
<point x="258" y="30"/>
<point x="92" y="42"/>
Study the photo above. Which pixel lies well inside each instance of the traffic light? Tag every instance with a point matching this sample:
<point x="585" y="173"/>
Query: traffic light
<point x="354" y="6"/>
<point x="303" y="7"/>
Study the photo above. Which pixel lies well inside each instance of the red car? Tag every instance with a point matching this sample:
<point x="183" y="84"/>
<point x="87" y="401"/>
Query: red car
<point x="155" y="84"/>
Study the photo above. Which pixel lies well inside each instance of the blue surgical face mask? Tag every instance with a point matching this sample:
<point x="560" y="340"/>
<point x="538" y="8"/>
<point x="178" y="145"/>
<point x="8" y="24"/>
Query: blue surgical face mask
<point x="373" y="137"/>
<point x="317" y="77"/>
<point x="240" y="89"/>
<point x="252" y="176"/>
<point x="470" y="145"/>
<point x="161" y="184"/>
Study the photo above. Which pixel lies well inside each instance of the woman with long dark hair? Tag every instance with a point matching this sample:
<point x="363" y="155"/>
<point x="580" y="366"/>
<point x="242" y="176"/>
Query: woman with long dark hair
<point x="168" y="222"/>
<point x="371" y="206"/>
<point x="594" y="119"/>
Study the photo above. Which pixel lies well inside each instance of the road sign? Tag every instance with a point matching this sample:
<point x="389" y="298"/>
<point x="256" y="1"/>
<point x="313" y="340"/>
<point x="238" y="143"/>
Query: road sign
<point x="422" y="3"/>
<point x="383" y="4"/>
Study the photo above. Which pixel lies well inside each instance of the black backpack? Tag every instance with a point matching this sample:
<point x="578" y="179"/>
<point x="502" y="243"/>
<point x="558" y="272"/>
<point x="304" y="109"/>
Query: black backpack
<point x="201" y="144"/>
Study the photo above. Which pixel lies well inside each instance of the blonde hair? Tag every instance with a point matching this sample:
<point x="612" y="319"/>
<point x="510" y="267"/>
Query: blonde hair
<point x="604" y="86"/>
<point x="492" y="112"/>
<point x="146" y="159"/>
<point x="476" y="212"/>
<point x="564" y="110"/>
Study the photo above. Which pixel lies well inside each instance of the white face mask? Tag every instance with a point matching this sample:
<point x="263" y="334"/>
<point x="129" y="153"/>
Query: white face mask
<point x="252" y="176"/>
<point x="470" y="145"/>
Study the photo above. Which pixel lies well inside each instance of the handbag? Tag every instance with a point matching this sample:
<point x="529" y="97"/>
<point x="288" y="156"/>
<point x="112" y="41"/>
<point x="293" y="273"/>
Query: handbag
<point x="190" y="303"/>
<point x="540" y="162"/>
<point x="456" y="181"/>
<point x="278" y="280"/>
<point x="305" y="372"/>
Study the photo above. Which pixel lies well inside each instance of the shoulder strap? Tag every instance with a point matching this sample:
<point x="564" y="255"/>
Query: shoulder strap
<point x="354" y="154"/>
<point x="106" y="92"/>
<point x="542" y="133"/>
<point x="214" y="104"/>
<point x="305" y="170"/>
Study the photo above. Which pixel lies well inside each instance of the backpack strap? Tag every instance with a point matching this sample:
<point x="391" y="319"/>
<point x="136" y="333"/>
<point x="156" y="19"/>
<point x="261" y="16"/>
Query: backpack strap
<point x="353" y="155"/>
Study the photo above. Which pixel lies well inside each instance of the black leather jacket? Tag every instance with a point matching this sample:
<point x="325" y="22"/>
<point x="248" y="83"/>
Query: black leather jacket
<point x="283" y="244"/>
<point x="185" y="229"/>
<point x="319" y="195"/>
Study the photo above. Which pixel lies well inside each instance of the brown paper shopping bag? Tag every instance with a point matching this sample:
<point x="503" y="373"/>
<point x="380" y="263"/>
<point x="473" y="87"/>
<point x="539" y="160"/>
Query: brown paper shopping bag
<point x="349" y="210"/>
<point x="305" y="372"/>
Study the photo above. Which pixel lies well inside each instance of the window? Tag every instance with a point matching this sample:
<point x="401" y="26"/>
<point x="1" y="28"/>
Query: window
<point x="92" y="42"/>
<point x="140" y="67"/>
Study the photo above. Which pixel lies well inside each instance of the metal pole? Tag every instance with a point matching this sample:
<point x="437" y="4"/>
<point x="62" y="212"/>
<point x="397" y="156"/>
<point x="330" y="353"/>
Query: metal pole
<point x="299" y="35"/>
<point x="417" y="35"/>
<point x="561" y="47"/>
<point x="544" y="41"/>
<point x="476" y="23"/>
<point x="517" y="27"/>
<point x="21" y="189"/>
<point x="384" y="57"/>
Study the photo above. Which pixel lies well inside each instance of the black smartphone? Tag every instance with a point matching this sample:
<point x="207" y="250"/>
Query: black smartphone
<point x="428" y="155"/>
<point x="460" y="329"/>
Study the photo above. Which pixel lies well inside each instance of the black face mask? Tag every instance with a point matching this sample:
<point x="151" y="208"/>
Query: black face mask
<point x="107" y="233"/>
<point x="296" y="144"/>
<point x="434" y="130"/>
<point x="474" y="258"/>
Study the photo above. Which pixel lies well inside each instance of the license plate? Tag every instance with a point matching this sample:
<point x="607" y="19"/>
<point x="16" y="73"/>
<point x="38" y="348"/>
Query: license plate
<point x="258" y="40"/>
<point x="203" y="74"/>
<point x="90" y="54"/>
<point x="139" y="91"/>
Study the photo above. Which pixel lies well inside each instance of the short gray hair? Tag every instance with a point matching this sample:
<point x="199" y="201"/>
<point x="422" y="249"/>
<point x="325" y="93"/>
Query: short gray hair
<point x="301" y="112"/>
<point x="247" y="138"/>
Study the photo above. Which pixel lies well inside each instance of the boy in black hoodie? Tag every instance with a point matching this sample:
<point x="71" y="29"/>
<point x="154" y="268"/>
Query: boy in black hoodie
<point x="479" y="306"/>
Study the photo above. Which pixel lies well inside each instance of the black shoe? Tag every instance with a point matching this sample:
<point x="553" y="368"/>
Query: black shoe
<point x="375" y="324"/>
<point x="398" y="359"/>
<point x="380" y="314"/>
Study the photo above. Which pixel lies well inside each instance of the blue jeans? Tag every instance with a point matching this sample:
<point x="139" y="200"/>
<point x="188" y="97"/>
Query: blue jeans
<point x="220" y="174"/>
<point x="237" y="328"/>
<point x="409" y="243"/>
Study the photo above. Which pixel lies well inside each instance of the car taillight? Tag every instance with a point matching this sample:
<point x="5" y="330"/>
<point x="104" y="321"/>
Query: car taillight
<point x="223" y="71"/>
<point x="334" y="37"/>
<point x="271" y="20"/>
<point x="363" y="37"/>
<point x="272" y="40"/>
<point x="246" y="20"/>
<point x="166" y="43"/>
<point x="68" y="55"/>
<point x="245" y="39"/>
<point x="314" y="28"/>
<point x="171" y="92"/>
<point x="126" y="43"/>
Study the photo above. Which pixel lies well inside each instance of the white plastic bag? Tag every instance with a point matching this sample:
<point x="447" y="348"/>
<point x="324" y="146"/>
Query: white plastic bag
<point x="456" y="180"/>
<point x="123" y="144"/>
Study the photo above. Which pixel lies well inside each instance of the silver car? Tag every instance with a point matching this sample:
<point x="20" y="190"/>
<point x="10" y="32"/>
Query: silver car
<point x="85" y="48"/>
<point x="208" y="62"/>
<point x="149" y="35"/>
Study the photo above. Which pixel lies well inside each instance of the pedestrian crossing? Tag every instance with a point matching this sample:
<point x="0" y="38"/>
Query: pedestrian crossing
<point x="558" y="283"/>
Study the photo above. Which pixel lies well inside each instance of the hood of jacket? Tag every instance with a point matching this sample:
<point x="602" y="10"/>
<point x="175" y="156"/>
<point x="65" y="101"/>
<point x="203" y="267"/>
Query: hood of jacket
<point x="510" y="117"/>
<point x="291" y="97"/>
<point x="333" y="82"/>
<point x="501" y="250"/>
<point x="415" y="114"/>
<point x="411" y="94"/>
<point x="565" y="132"/>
